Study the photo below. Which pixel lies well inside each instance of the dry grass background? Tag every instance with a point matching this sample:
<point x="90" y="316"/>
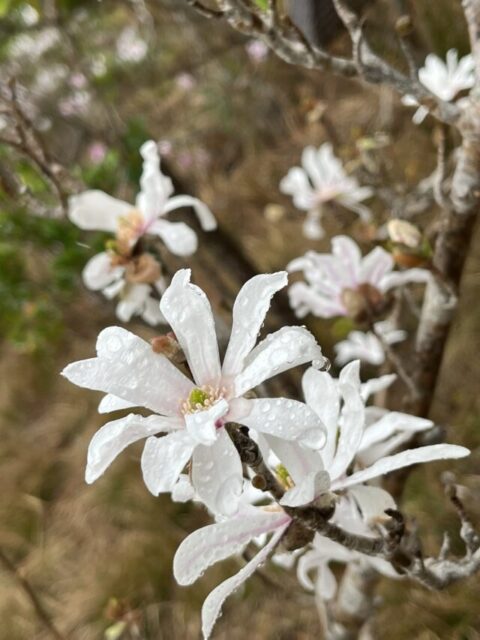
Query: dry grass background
<point x="81" y="546"/>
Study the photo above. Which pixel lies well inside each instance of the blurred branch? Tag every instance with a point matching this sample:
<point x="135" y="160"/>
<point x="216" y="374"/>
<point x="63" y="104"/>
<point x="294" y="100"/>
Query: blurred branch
<point x="29" y="591"/>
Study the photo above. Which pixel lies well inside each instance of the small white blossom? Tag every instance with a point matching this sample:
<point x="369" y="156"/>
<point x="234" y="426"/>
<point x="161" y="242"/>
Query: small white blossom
<point x="130" y="46"/>
<point x="367" y="347"/>
<point x="120" y="271"/>
<point x="193" y="413"/>
<point x="343" y="283"/>
<point x="321" y="179"/>
<point x="444" y="79"/>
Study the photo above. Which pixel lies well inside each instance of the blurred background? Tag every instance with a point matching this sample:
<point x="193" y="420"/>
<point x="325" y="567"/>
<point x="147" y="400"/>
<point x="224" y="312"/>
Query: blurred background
<point x="96" y="80"/>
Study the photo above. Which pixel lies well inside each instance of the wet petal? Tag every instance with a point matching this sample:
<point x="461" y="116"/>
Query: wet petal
<point x="213" y="604"/>
<point x="115" y="436"/>
<point x="186" y="308"/>
<point x="127" y="367"/>
<point x="311" y="487"/>
<point x="400" y="460"/>
<point x="217" y="474"/>
<point x="163" y="460"/>
<point x="286" y="419"/>
<point x="298" y="461"/>
<point x="201" y="425"/>
<point x="286" y="348"/>
<point x="391" y="423"/>
<point x="111" y="403"/>
<point x="249" y="311"/>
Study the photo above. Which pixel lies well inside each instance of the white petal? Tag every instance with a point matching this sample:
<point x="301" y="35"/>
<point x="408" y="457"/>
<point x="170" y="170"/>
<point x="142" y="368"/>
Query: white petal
<point x="372" y="501"/>
<point x="183" y="490"/>
<point x="352" y="419"/>
<point x="213" y="604"/>
<point x="215" y="542"/>
<point x="151" y="312"/>
<point x="217" y="475"/>
<point x="400" y="460"/>
<point x="321" y="394"/>
<point x="96" y="210"/>
<point x="155" y="186"/>
<point x="163" y="460"/>
<point x="308" y="561"/>
<point x="133" y="301"/>
<point x="178" y="237"/>
<point x="348" y="252"/>
<point x="115" y="436"/>
<point x="286" y="348"/>
<point x="286" y="419"/>
<point x="128" y="368"/>
<point x="377" y="384"/>
<point x="298" y="460"/>
<point x="400" y="278"/>
<point x="391" y="423"/>
<point x="98" y="273"/>
<point x="311" y="487"/>
<point x="326" y="585"/>
<point x="187" y="310"/>
<point x="249" y="311"/>
<point x="201" y="425"/>
<point x="375" y="265"/>
<point x="111" y="403"/>
<point x="304" y="300"/>
<point x="205" y="216"/>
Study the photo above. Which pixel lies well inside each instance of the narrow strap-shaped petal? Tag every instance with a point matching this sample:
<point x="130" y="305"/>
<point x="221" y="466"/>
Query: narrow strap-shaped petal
<point x="352" y="419"/>
<point x="249" y="311"/>
<point x="111" y="403"/>
<point x="98" y="273"/>
<point x="128" y="368"/>
<point x="376" y="384"/>
<point x="178" y="237"/>
<point x="286" y="419"/>
<point x="400" y="460"/>
<point x="286" y="348"/>
<point x="163" y="460"/>
<point x="205" y="216"/>
<point x="400" y="278"/>
<point x="217" y="475"/>
<point x="213" y="604"/>
<point x="115" y="436"/>
<point x="155" y="186"/>
<point x="215" y="542"/>
<point x="188" y="311"/>
<point x="391" y="423"/>
<point x="96" y="210"/>
<point x="375" y="266"/>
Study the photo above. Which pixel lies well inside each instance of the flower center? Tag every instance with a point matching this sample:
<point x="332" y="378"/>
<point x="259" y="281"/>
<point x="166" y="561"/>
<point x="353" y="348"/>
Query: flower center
<point x="363" y="302"/>
<point x="130" y="228"/>
<point x="202" y="398"/>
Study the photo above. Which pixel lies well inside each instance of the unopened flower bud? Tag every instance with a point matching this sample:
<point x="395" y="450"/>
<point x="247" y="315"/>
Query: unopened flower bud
<point x="403" y="232"/>
<point x="259" y="482"/>
<point x="404" y="26"/>
<point x="168" y="346"/>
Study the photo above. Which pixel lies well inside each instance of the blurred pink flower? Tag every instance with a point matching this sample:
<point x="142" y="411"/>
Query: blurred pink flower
<point x="96" y="152"/>
<point x="185" y="81"/>
<point x="257" y="50"/>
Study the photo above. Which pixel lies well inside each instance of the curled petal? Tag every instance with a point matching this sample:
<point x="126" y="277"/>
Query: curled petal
<point x="201" y="425"/>
<point x="177" y="236"/>
<point x="205" y="216"/>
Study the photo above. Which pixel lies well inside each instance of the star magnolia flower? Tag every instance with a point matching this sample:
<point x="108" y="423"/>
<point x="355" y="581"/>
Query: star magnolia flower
<point x="193" y="414"/>
<point x="122" y="270"/>
<point x="444" y="80"/>
<point x="321" y="179"/>
<point x="351" y="432"/>
<point x="345" y="284"/>
<point x="206" y="546"/>
<point x="367" y="346"/>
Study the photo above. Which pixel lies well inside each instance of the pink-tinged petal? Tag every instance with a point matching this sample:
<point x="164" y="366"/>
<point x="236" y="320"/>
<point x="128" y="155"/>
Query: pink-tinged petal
<point x="375" y="266"/>
<point x="217" y="475"/>
<point x="305" y="300"/>
<point x="163" y="460"/>
<point x="377" y="384"/>
<point x="352" y="419"/>
<point x="311" y="487"/>
<point x="96" y="210"/>
<point x="216" y="542"/>
<point x="298" y="460"/>
<point x="400" y="278"/>
<point x="400" y="460"/>
<point x="128" y="368"/>
<point x="390" y="424"/>
<point x="345" y="249"/>
<point x="205" y="216"/>
<point x="321" y="393"/>
<point x="286" y="419"/>
<point x="286" y="348"/>
<point x="188" y="311"/>
<point x="372" y="501"/>
<point x="99" y="273"/>
<point x="201" y="424"/>
<point x="115" y="436"/>
<point x="249" y="311"/>
<point x="297" y="185"/>
<point x="178" y="237"/>
<point x="213" y="604"/>
<point x="111" y="403"/>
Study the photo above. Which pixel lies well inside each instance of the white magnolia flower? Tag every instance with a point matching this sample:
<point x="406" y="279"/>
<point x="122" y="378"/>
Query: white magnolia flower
<point x="367" y="346"/>
<point x="352" y="432"/>
<point x="122" y="271"/>
<point x="321" y="179"/>
<point x="206" y="546"/>
<point x="131" y="47"/>
<point x="444" y="80"/>
<point x="345" y="284"/>
<point x="193" y="413"/>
